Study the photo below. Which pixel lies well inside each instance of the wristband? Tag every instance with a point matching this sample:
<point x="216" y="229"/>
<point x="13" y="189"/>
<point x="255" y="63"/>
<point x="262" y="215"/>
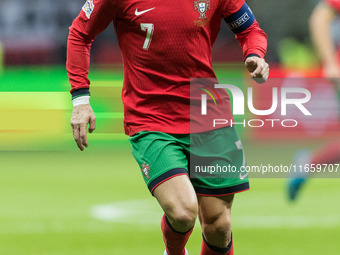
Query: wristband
<point x="81" y="100"/>
<point x="251" y="55"/>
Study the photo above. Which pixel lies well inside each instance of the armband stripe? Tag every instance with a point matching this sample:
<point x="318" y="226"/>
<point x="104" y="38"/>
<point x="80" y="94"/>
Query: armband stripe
<point x="80" y="92"/>
<point x="240" y="20"/>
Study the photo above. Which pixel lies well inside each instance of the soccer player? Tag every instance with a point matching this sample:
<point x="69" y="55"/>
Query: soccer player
<point x="320" y="25"/>
<point x="164" y="44"/>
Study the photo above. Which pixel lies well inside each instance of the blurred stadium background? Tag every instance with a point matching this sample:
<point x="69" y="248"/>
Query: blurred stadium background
<point x="56" y="200"/>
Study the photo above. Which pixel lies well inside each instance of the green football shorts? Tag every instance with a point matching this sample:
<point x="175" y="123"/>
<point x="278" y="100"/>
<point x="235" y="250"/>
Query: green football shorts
<point x="213" y="160"/>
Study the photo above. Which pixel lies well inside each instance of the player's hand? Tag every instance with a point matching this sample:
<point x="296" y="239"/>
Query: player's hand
<point x="81" y="116"/>
<point x="258" y="68"/>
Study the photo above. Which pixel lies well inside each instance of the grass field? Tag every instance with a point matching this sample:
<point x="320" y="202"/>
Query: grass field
<point x="56" y="200"/>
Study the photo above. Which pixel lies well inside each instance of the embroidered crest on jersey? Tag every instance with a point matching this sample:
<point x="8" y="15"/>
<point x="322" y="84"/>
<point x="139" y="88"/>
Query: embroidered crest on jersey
<point x="202" y="7"/>
<point x="146" y="170"/>
<point x="88" y="8"/>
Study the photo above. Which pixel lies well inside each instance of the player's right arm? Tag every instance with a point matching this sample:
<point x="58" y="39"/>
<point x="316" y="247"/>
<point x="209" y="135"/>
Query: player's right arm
<point x="94" y="17"/>
<point x="320" y="26"/>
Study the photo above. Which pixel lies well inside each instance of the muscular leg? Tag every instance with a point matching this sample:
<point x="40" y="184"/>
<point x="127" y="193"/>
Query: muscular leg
<point x="178" y="200"/>
<point x="215" y="218"/>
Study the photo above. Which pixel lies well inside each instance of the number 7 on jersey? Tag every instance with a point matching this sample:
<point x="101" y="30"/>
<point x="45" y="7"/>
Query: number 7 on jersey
<point x="148" y="28"/>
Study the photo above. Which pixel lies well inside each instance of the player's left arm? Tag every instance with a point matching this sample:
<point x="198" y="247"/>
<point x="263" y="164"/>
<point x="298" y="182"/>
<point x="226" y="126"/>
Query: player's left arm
<point x="252" y="38"/>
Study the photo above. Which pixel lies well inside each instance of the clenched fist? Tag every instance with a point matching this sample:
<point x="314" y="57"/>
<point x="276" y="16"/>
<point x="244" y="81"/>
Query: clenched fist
<point x="258" y="68"/>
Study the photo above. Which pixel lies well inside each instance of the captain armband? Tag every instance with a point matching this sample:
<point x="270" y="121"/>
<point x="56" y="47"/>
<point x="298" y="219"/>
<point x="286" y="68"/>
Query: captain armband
<point x="240" y="20"/>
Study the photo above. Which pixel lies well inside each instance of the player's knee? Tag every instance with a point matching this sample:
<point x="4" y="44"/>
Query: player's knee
<point x="183" y="217"/>
<point x="222" y="230"/>
<point x="217" y="228"/>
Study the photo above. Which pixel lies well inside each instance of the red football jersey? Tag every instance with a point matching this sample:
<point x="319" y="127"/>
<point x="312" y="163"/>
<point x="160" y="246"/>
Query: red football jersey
<point x="335" y="4"/>
<point x="164" y="44"/>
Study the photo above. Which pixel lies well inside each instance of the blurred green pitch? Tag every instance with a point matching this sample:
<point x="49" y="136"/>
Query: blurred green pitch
<point x="56" y="200"/>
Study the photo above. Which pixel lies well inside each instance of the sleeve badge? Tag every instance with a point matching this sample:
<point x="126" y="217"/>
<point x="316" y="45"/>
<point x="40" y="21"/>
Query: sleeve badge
<point x="88" y="8"/>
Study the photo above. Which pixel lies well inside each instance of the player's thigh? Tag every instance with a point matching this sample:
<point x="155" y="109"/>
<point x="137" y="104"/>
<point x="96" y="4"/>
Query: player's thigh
<point x="159" y="156"/>
<point x="164" y="166"/>
<point x="177" y="198"/>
